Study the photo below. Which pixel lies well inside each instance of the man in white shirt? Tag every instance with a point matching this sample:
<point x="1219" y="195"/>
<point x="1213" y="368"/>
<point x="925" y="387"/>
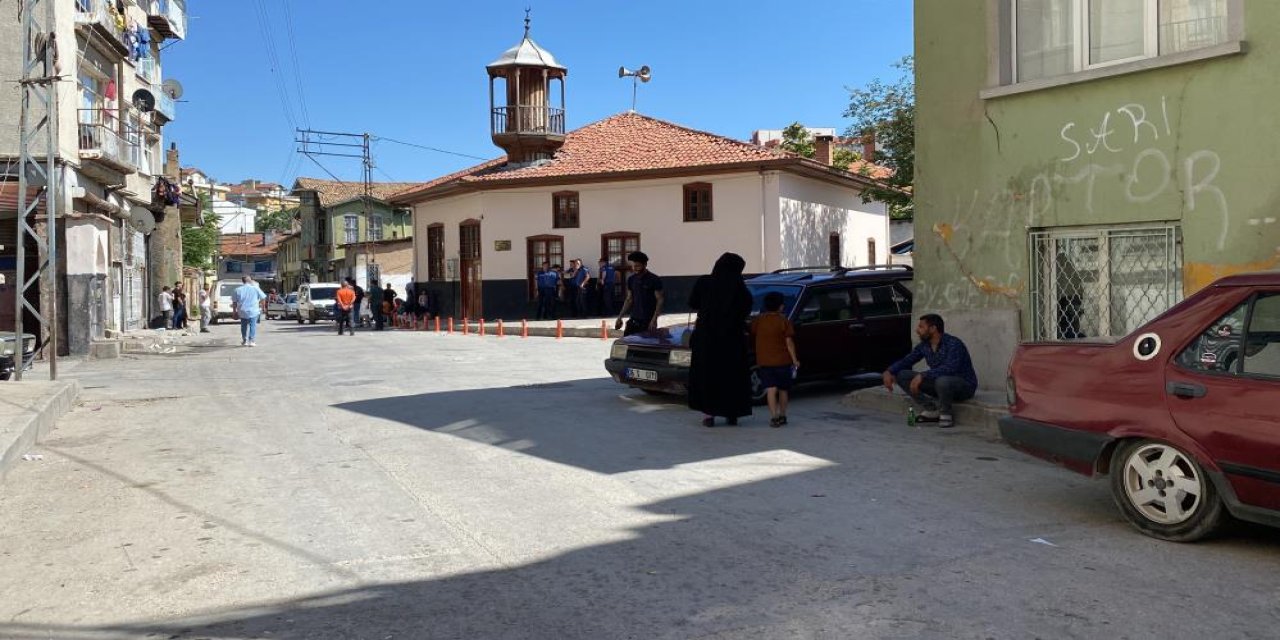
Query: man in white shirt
<point x="166" y="306"/>
<point x="248" y="302"/>
<point x="206" y="308"/>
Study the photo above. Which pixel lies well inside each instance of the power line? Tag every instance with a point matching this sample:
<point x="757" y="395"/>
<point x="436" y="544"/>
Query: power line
<point x="423" y="146"/>
<point x="297" y="69"/>
<point x="274" y="62"/>
<point x="325" y="169"/>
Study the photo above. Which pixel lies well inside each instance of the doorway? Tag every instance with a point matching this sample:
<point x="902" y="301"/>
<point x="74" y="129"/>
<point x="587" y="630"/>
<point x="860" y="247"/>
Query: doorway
<point x="469" y="268"/>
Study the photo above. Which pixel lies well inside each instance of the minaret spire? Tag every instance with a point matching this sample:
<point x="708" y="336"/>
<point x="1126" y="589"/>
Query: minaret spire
<point x="527" y="20"/>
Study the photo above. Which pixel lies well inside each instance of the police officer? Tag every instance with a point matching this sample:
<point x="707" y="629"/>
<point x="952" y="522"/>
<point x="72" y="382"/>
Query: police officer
<point x="606" y="278"/>
<point x="547" y="281"/>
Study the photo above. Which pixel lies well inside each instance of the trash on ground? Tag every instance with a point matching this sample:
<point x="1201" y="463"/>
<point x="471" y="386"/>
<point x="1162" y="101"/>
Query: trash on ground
<point x="32" y="457"/>
<point x="1043" y="542"/>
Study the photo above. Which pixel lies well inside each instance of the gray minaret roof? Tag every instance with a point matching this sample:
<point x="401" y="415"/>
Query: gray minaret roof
<point x="526" y="54"/>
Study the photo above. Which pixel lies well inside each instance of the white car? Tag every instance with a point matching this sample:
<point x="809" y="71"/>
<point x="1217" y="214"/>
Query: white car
<point x="222" y="301"/>
<point x="316" y="301"/>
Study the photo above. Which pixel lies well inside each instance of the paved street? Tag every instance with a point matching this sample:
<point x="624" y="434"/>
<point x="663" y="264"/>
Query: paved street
<point x="408" y="485"/>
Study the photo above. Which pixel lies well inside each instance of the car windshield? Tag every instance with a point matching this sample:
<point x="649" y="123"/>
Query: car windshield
<point x="759" y="291"/>
<point x="323" y="293"/>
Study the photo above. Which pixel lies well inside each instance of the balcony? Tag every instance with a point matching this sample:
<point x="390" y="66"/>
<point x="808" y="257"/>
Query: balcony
<point x="98" y="18"/>
<point x="102" y="143"/>
<point x="527" y="120"/>
<point x="148" y="70"/>
<point x="168" y="18"/>
<point x="166" y="108"/>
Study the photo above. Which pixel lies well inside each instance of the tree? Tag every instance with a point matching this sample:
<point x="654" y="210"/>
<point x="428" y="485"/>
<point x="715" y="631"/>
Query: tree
<point x="796" y="139"/>
<point x="277" y="220"/>
<point x="842" y="158"/>
<point x="888" y="111"/>
<point x="200" y="243"/>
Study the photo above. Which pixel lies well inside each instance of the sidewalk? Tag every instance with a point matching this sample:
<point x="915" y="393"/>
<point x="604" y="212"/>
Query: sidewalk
<point x="979" y="415"/>
<point x="571" y="327"/>
<point x="28" y="411"/>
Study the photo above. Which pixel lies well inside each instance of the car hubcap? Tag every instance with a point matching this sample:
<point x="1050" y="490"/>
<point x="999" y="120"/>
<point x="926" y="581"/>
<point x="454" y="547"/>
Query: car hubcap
<point x="1162" y="484"/>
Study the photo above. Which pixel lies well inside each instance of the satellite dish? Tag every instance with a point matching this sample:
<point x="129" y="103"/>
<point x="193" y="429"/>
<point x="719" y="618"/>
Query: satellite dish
<point x="172" y="88"/>
<point x="142" y="220"/>
<point x="144" y="100"/>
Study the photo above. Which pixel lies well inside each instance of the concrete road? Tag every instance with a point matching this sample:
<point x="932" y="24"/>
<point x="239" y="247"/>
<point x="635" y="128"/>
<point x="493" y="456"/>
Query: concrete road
<point x="403" y="485"/>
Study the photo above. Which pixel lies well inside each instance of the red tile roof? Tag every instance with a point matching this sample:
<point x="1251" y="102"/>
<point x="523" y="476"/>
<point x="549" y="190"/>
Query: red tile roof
<point x="246" y="245"/>
<point x="623" y="146"/>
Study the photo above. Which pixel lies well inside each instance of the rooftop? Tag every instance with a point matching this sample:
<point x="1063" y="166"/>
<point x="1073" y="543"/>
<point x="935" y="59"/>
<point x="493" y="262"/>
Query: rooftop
<point x="247" y="245"/>
<point x="630" y="145"/>
<point x="332" y="192"/>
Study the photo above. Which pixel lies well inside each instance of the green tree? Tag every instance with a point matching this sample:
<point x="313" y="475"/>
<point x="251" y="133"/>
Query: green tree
<point x="796" y="139"/>
<point x="200" y="243"/>
<point x="843" y="158"/>
<point x="278" y="220"/>
<point x="888" y="111"/>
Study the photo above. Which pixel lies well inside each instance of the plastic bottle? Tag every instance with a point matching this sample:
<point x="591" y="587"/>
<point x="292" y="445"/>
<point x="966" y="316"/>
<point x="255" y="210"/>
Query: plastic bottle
<point x="911" y="416"/>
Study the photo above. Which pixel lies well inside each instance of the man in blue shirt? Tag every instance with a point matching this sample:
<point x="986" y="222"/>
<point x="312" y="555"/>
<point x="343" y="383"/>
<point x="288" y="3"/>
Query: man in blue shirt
<point x="607" y="277"/>
<point x="949" y="379"/>
<point x="546" y="281"/>
<point x="580" y="276"/>
<point x="247" y="302"/>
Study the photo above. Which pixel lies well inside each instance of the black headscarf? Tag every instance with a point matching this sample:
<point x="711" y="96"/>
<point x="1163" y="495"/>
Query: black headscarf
<point x="722" y="298"/>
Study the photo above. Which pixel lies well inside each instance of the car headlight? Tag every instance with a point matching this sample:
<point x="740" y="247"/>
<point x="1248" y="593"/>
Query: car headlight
<point x="1011" y="391"/>
<point x="618" y="351"/>
<point x="7" y="348"/>
<point x="680" y="357"/>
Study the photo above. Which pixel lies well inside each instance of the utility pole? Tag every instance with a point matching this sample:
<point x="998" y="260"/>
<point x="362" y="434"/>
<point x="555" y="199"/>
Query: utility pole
<point x="38" y="169"/>
<point x="321" y="143"/>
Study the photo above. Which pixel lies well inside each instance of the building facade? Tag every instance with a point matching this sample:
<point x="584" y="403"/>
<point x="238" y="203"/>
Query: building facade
<point x="111" y="111"/>
<point x="1081" y="167"/>
<point x="331" y="215"/>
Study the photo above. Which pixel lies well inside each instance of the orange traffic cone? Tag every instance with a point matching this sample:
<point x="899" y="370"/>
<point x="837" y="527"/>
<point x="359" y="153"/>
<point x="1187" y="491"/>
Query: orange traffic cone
<point x="501" y="331"/>
<point x="604" y="330"/>
<point x="482" y="327"/>
<point x="451" y="325"/>
<point x="438" y="324"/>
<point x="466" y="326"/>
<point x="559" y="329"/>
<point x="524" y="328"/>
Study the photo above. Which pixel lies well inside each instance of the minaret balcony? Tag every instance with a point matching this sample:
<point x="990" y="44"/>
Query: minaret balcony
<point x="527" y="120"/>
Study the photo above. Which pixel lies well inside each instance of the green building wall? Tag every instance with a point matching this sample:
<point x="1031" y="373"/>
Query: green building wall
<point x="1192" y="145"/>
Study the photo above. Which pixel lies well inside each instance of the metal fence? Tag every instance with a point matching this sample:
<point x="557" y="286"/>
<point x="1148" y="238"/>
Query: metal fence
<point x="1098" y="283"/>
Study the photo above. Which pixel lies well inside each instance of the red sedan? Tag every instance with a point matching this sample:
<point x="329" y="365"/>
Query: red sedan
<point x="1183" y="414"/>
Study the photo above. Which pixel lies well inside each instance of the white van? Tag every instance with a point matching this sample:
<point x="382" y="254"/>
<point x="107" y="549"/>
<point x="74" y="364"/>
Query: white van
<point x="317" y="301"/>
<point x="222" y="301"/>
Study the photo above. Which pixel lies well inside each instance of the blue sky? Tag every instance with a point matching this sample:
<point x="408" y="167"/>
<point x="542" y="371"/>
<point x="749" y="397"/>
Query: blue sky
<point x="414" y="71"/>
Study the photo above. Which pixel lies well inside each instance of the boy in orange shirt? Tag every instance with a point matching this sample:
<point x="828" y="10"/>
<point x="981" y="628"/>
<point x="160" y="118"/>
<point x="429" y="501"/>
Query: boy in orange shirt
<point x="346" y="299"/>
<point x="775" y="355"/>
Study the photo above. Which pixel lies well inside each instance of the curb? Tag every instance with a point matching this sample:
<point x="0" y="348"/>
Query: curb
<point x="979" y="415"/>
<point x="26" y="423"/>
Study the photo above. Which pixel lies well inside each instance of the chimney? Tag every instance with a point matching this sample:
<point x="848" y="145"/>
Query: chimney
<point x="823" y="147"/>
<point x="869" y="147"/>
<point x="171" y="166"/>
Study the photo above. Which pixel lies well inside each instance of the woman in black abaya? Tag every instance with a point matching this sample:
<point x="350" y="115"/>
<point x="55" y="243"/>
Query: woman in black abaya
<point x="719" y="375"/>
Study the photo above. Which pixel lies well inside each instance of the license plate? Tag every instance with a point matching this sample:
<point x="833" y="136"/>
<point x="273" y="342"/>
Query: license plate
<point x="643" y="375"/>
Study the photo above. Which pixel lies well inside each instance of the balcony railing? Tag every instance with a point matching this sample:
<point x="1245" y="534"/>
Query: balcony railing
<point x="149" y="70"/>
<point x="102" y="18"/>
<point x="104" y="138"/>
<point x="168" y="18"/>
<point x="527" y="120"/>
<point x="166" y="106"/>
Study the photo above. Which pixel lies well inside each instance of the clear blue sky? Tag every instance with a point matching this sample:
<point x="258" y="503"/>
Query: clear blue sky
<point x="414" y="71"/>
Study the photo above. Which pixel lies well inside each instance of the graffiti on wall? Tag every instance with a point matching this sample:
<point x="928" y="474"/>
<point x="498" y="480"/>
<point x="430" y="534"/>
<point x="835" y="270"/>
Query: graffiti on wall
<point x="1128" y="154"/>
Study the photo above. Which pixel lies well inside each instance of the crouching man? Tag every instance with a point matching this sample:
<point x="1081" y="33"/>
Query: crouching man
<point x="949" y="379"/>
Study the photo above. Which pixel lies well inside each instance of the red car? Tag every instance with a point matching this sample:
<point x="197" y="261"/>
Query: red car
<point x="1183" y="414"/>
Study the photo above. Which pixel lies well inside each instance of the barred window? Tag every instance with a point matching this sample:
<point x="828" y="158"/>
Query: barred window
<point x="1102" y="282"/>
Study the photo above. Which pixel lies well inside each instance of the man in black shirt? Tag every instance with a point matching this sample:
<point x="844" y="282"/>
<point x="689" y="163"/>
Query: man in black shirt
<point x="356" y="320"/>
<point x="644" y="297"/>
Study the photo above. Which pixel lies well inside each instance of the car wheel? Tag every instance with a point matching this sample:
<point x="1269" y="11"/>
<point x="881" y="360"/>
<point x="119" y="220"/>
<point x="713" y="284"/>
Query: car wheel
<point x="758" y="394"/>
<point x="1163" y="492"/>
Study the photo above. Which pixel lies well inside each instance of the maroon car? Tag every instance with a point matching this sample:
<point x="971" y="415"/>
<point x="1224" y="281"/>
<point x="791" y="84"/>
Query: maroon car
<point x="1183" y="414"/>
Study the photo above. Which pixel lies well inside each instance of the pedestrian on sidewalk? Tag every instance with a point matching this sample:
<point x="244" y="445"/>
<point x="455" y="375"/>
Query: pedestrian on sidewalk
<point x="719" y="374"/>
<point x="346" y="301"/>
<point x="179" y="307"/>
<point x="248" y="301"/>
<point x="206" y="307"/>
<point x="375" y="304"/>
<point x="644" y="297"/>
<point x="581" y="274"/>
<point x="606" y="280"/>
<point x="776" y="361"/>
<point x="388" y="303"/>
<point x="949" y="379"/>
<point x="166" y="307"/>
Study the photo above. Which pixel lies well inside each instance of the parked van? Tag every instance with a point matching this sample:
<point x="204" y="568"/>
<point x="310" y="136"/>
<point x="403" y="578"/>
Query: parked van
<point x="316" y="301"/>
<point x="222" y="301"/>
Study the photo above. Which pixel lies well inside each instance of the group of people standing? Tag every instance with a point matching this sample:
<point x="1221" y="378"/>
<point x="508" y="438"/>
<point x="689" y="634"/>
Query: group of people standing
<point x="384" y="303"/>
<point x="173" y="307"/>
<point x="580" y="293"/>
